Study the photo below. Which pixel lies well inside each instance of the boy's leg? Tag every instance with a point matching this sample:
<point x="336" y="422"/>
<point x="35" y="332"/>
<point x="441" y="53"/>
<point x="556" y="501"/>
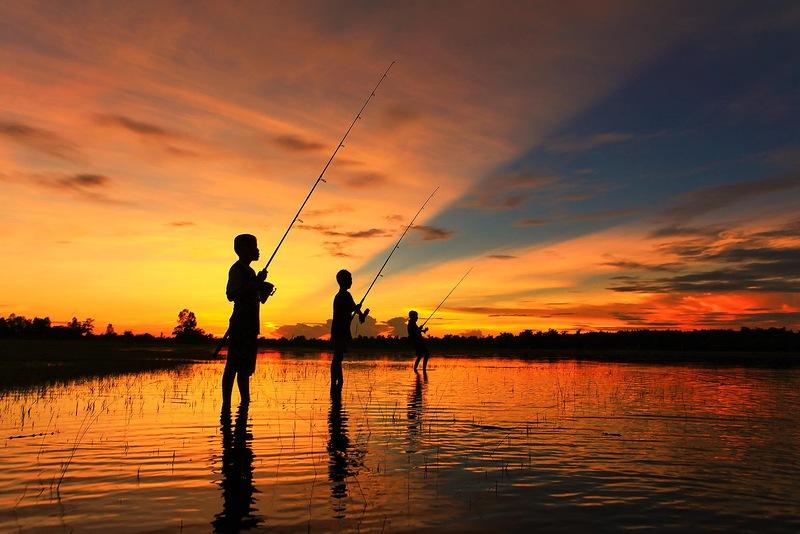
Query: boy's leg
<point x="425" y="361"/>
<point x="243" y="380"/>
<point x="416" y="363"/>
<point x="232" y="367"/>
<point x="336" y="368"/>
<point x="246" y="368"/>
<point x="339" y="372"/>
<point x="227" y="385"/>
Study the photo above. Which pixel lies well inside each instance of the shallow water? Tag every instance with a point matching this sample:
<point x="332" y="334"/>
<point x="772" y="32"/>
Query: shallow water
<point x="480" y="444"/>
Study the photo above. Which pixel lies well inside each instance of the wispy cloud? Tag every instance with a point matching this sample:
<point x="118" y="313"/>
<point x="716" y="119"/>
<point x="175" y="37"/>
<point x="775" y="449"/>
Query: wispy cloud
<point x="333" y="231"/>
<point x="398" y="116"/>
<point x="531" y="222"/>
<point x="659" y="311"/>
<point x="708" y="199"/>
<point x="43" y="141"/>
<point x="432" y="233"/>
<point x="676" y="230"/>
<point x="136" y="126"/>
<point x="600" y="215"/>
<point x="507" y="191"/>
<point x="336" y="249"/>
<point x="340" y="247"/>
<point x="334" y="210"/>
<point x="501" y="256"/>
<point x="83" y="181"/>
<point x="581" y="144"/>
<point x="89" y="187"/>
<point x="631" y="265"/>
<point x="750" y="262"/>
<point x="170" y="141"/>
<point x="295" y="143"/>
<point x="366" y="179"/>
<point x="597" y="215"/>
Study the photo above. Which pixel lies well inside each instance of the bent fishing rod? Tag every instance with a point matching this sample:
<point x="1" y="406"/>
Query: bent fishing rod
<point x="319" y="179"/>
<point x="394" y="248"/>
<point x="445" y="298"/>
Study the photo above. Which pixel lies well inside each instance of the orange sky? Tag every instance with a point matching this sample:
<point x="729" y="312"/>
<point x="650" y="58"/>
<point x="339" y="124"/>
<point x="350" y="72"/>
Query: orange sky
<point x="137" y="139"/>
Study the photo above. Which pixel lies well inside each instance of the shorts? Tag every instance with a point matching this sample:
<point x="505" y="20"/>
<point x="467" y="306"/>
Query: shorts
<point x="421" y="350"/>
<point x="242" y="354"/>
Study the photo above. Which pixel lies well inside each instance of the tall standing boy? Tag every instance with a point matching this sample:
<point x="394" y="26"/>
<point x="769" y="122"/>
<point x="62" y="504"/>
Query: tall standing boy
<point x="247" y="290"/>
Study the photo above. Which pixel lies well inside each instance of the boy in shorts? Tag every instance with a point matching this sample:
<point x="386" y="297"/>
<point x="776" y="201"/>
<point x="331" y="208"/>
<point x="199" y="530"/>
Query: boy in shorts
<point x="418" y="342"/>
<point x="247" y="290"/>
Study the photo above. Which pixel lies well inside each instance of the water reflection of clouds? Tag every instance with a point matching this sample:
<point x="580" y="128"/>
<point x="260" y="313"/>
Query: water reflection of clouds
<point x="537" y="444"/>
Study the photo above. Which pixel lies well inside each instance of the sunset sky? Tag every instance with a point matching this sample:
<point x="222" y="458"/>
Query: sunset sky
<point x="602" y="164"/>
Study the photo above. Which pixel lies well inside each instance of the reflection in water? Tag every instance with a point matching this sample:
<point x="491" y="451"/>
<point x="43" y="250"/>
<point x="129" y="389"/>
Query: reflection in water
<point x="345" y="458"/>
<point x="415" y="422"/>
<point x="238" y="510"/>
<point x="487" y="444"/>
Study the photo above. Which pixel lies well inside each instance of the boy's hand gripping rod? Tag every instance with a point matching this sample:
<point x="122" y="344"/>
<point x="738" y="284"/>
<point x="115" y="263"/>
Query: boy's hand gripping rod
<point x="396" y="246"/>
<point x="319" y="179"/>
<point x="445" y="298"/>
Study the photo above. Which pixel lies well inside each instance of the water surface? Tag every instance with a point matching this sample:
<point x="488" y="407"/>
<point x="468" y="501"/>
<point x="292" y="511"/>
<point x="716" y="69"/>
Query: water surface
<point x="477" y="444"/>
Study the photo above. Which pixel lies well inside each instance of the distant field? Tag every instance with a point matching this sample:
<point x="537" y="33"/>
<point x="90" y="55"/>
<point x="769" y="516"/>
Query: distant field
<point x="29" y="363"/>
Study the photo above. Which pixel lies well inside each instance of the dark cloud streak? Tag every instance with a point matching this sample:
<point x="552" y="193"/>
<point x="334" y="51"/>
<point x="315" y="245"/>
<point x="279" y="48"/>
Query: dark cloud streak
<point x="85" y="186"/>
<point x="589" y="142"/>
<point x="712" y="198"/>
<point x="432" y="233"/>
<point x="43" y="141"/>
<point x="294" y="143"/>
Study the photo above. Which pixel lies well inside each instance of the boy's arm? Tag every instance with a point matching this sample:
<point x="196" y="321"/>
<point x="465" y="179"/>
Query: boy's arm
<point x="234" y="288"/>
<point x="240" y="285"/>
<point x="357" y="309"/>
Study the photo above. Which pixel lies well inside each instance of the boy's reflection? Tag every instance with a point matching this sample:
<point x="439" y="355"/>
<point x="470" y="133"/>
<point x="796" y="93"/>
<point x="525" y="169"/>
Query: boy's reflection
<point x="345" y="458"/>
<point x="238" y="510"/>
<point x="415" y="411"/>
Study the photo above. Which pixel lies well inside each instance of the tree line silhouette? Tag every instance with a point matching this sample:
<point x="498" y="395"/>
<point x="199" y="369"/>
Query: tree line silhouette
<point x="20" y="327"/>
<point x="187" y="331"/>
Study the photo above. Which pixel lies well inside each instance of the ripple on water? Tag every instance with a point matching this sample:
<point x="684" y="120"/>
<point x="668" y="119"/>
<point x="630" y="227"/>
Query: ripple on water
<point x="478" y="444"/>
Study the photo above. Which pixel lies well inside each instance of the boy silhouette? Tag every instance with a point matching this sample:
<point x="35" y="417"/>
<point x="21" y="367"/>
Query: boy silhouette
<point x="247" y="290"/>
<point x="343" y="309"/>
<point x="415" y="336"/>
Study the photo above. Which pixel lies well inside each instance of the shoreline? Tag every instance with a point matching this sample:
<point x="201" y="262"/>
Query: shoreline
<point x="26" y="364"/>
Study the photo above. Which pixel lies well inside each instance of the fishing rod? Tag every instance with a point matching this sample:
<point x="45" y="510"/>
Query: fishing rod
<point x="330" y="160"/>
<point x="396" y="246"/>
<point x="319" y="179"/>
<point x="445" y="298"/>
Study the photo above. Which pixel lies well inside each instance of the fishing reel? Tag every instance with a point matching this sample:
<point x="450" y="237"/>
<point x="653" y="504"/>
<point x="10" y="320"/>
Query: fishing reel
<point x="267" y="291"/>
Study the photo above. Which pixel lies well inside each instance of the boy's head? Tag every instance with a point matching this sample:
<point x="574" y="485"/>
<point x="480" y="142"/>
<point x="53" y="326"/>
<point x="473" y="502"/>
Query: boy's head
<point x="246" y="247"/>
<point x="413" y="316"/>
<point x="344" y="278"/>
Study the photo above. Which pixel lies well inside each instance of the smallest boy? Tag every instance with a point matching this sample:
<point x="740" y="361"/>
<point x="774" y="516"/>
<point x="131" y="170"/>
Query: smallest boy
<point x="415" y="336"/>
<point x="247" y="290"/>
